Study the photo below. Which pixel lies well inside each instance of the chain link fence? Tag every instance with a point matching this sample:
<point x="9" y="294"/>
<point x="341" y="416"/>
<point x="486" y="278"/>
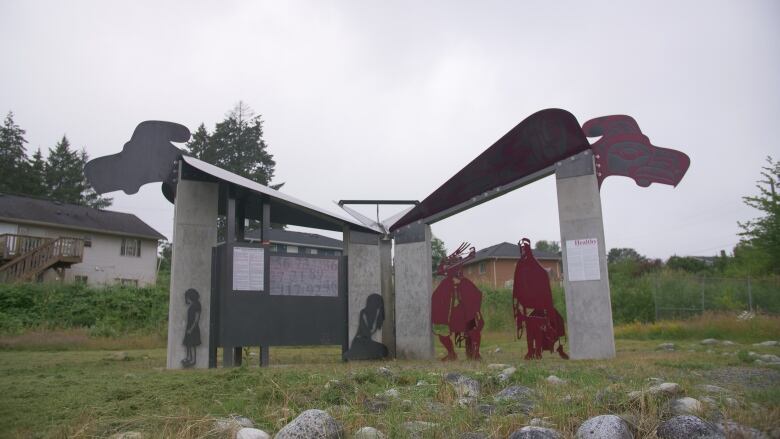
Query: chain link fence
<point x="679" y="297"/>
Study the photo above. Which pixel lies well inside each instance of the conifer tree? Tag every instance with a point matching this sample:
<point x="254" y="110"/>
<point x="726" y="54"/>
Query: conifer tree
<point x="35" y="183"/>
<point x="13" y="156"/>
<point x="236" y="145"/>
<point x="65" y="180"/>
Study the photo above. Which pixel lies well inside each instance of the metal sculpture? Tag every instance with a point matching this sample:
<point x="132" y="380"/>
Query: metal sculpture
<point x="533" y="306"/>
<point x="530" y="150"/>
<point x="624" y="150"/>
<point x="371" y="319"/>
<point x="456" y="306"/>
<point x="147" y="157"/>
<point x="192" y="332"/>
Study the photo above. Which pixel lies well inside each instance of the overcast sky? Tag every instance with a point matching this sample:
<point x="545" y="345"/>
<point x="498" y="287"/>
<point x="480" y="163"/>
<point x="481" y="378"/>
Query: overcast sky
<point x="370" y="99"/>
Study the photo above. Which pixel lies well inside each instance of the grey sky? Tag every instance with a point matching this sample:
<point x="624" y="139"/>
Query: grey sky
<point x="389" y="99"/>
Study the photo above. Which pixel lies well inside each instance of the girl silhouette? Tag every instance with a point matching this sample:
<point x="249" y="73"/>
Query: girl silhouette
<point x="192" y="332"/>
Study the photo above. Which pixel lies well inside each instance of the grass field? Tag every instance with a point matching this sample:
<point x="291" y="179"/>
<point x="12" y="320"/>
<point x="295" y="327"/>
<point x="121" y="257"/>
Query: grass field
<point x="69" y="384"/>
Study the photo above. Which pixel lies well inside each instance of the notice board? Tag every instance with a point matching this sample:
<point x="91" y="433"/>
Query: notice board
<point x="304" y="276"/>
<point x="582" y="260"/>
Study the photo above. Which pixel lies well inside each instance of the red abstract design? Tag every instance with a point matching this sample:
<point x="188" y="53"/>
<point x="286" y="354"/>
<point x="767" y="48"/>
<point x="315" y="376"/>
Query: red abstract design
<point x="624" y="150"/>
<point x="533" y="306"/>
<point x="456" y="306"/>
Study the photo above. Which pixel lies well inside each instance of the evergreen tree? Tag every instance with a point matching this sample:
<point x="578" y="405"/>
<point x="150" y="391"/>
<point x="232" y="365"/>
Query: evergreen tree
<point x="65" y="180"/>
<point x="236" y="145"/>
<point x="547" y="246"/>
<point x="438" y="252"/>
<point x="13" y="156"/>
<point x="89" y="197"/>
<point x="764" y="233"/>
<point x="35" y="183"/>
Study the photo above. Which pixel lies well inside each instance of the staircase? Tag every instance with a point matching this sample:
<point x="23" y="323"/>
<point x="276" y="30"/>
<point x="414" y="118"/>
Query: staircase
<point x="25" y="257"/>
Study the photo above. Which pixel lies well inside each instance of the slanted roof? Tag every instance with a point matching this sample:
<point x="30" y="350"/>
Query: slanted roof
<point x="285" y="209"/>
<point x="506" y="250"/>
<point x="303" y="239"/>
<point x="15" y="208"/>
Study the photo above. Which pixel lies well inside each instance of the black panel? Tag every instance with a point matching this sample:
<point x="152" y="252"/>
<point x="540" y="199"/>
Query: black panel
<point x="252" y="318"/>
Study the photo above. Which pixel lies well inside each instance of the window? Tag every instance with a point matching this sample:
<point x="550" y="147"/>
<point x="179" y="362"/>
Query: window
<point x="87" y="241"/>
<point x="482" y="269"/>
<point x="279" y="248"/>
<point x="311" y="251"/>
<point x="82" y="280"/>
<point x="127" y="282"/>
<point x="131" y="247"/>
<point x="292" y="249"/>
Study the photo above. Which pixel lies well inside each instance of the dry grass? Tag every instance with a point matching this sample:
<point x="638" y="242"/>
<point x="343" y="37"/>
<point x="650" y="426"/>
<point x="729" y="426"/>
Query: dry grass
<point x="86" y="394"/>
<point x="721" y="325"/>
<point x="78" y="339"/>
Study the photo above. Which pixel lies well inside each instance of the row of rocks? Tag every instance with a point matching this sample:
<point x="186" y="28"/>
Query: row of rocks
<point x="715" y="341"/>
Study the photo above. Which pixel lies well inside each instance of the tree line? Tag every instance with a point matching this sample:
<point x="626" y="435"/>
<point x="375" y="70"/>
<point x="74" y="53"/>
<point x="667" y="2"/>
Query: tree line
<point x="236" y="144"/>
<point x="59" y="177"/>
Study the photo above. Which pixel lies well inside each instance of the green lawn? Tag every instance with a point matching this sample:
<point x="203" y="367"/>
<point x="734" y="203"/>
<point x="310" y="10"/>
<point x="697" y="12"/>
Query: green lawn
<point x="91" y="393"/>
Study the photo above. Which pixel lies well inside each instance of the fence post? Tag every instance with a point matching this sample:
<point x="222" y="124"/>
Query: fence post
<point x="701" y="292"/>
<point x="750" y="295"/>
<point x="655" y="295"/>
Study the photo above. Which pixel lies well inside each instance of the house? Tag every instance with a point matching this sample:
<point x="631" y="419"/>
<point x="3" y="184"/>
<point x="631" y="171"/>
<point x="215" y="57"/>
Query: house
<point x="48" y="240"/>
<point x="286" y="241"/>
<point x="495" y="265"/>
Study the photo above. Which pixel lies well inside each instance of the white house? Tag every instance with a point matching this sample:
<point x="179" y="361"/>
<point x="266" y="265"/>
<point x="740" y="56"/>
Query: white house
<point x="46" y="240"/>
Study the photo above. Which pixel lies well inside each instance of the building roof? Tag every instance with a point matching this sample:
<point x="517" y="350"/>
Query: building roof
<point x="506" y="250"/>
<point x="303" y="239"/>
<point x="285" y="209"/>
<point x="71" y="216"/>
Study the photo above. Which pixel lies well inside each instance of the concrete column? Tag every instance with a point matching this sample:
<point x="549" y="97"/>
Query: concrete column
<point x="194" y="234"/>
<point x="388" y="294"/>
<point x="413" y="290"/>
<point x="363" y="276"/>
<point x="588" y="307"/>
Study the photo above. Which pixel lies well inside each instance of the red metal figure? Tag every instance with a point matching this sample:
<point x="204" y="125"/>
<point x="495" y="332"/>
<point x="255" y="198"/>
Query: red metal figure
<point x="533" y="306"/>
<point x="455" y="306"/>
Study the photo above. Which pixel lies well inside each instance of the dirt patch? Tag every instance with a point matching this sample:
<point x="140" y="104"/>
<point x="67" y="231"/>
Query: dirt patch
<point x="747" y="377"/>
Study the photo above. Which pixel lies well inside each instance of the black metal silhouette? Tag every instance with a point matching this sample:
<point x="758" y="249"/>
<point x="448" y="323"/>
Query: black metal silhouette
<point x="371" y="319"/>
<point x="148" y="157"/>
<point x="192" y="332"/>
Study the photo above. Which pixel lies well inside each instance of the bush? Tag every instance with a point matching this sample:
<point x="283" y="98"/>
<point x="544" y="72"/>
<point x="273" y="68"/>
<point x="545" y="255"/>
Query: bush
<point x="109" y="311"/>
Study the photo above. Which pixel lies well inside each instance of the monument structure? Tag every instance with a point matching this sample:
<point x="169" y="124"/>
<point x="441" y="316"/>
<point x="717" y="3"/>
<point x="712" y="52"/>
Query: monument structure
<point x="233" y="293"/>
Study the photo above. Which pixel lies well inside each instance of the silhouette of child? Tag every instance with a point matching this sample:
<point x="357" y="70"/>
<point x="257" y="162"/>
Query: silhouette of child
<point x="371" y="319"/>
<point x="192" y="332"/>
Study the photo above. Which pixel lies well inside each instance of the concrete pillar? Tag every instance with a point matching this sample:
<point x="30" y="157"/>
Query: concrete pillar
<point x="194" y="235"/>
<point x="413" y="290"/>
<point x="363" y="276"/>
<point x="388" y="294"/>
<point x="588" y="307"/>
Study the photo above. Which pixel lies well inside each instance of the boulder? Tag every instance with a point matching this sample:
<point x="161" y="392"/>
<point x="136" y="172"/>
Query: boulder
<point x="710" y="342"/>
<point x="554" y="380"/>
<point x="768" y="343"/>
<point x="665" y="347"/>
<point x="665" y="389"/>
<point x="604" y="427"/>
<point x="688" y="427"/>
<point x="497" y="366"/>
<point x="685" y="406"/>
<point x="506" y="373"/>
<point x="531" y="432"/>
<point x="463" y="385"/>
<point x="312" y="424"/>
<point x="732" y="429"/>
<point x="252" y="433"/>
<point x="368" y="433"/>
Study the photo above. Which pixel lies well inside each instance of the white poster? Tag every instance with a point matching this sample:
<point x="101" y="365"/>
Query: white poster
<point x="248" y="269"/>
<point x="582" y="260"/>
